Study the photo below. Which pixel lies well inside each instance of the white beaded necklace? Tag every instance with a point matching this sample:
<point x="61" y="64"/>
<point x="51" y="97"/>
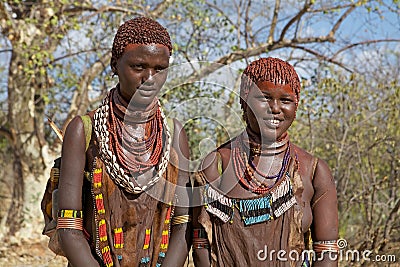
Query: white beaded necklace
<point x="116" y="172"/>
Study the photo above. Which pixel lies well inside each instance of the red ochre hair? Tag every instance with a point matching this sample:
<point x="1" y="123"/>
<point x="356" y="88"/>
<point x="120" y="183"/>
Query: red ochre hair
<point x="272" y="70"/>
<point x="140" y="30"/>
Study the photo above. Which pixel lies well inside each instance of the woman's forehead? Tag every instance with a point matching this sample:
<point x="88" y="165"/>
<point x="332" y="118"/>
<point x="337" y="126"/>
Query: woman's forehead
<point x="268" y="87"/>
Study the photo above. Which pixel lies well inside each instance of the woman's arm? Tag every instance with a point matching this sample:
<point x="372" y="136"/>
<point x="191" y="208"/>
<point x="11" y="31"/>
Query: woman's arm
<point x="209" y="167"/>
<point x="73" y="242"/>
<point x="325" y="213"/>
<point x="180" y="239"/>
<point x="201" y="256"/>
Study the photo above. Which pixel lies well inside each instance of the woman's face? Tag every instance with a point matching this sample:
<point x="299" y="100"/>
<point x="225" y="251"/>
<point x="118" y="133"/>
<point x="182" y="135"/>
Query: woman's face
<point x="271" y="109"/>
<point x="142" y="71"/>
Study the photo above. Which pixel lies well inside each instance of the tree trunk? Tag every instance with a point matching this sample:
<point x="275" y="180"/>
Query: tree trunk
<point x="26" y="127"/>
<point x="15" y="215"/>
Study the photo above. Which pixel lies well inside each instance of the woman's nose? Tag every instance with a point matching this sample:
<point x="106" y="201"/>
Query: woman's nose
<point x="148" y="77"/>
<point x="274" y="106"/>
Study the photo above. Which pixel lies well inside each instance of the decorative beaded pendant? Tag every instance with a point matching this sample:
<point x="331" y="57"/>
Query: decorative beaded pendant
<point x="264" y="208"/>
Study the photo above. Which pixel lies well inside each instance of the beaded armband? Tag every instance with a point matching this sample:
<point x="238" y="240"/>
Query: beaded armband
<point x="70" y="214"/>
<point x="200" y="239"/>
<point x="181" y="219"/>
<point x="326" y="246"/>
<point x="70" y="219"/>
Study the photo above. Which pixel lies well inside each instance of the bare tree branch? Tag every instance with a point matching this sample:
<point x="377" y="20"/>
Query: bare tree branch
<point x="254" y="51"/>
<point x="306" y="7"/>
<point x="247" y="28"/>
<point x="6" y="133"/>
<point x="222" y="13"/>
<point x="100" y="10"/>
<point x="332" y="8"/>
<point x="270" y="38"/>
<point x="341" y="19"/>
<point x="322" y="57"/>
<point x="388" y="225"/>
<point x="160" y="8"/>
<point x="364" y="43"/>
<point x="6" y="50"/>
<point x="80" y="101"/>
<point x="75" y="54"/>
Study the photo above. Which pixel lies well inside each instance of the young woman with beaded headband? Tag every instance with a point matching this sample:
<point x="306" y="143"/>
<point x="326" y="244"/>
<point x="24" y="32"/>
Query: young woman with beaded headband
<point x="122" y="212"/>
<point x="264" y="197"/>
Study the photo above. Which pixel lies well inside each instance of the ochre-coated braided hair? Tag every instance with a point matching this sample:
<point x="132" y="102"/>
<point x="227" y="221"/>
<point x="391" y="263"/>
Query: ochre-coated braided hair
<point x="272" y="70"/>
<point x="140" y="30"/>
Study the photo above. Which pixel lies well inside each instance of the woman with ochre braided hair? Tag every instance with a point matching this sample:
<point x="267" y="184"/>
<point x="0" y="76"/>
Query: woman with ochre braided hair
<point x="118" y="187"/>
<point x="264" y="197"/>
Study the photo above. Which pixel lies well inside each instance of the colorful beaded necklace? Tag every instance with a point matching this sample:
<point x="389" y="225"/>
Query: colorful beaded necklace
<point x="245" y="168"/>
<point x="120" y="166"/>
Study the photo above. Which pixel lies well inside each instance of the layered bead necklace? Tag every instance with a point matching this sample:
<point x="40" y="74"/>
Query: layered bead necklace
<point x="122" y="151"/>
<point x="245" y="168"/>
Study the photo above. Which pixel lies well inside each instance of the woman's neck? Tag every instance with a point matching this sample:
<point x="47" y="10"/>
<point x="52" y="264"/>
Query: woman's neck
<point x="260" y="146"/>
<point x="130" y="113"/>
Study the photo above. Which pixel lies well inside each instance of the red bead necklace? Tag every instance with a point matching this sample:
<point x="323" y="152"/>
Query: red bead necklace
<point x="129" y="154"/>
<point x="245" y="169"/>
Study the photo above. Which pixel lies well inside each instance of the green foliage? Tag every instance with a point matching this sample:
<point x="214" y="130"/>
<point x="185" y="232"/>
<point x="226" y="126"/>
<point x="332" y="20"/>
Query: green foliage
<point x="352" y="122"/>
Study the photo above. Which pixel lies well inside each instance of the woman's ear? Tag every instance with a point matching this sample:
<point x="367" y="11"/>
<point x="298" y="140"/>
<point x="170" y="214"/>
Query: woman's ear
<point x="114" y="66"/>
<point x="114" y="70"/>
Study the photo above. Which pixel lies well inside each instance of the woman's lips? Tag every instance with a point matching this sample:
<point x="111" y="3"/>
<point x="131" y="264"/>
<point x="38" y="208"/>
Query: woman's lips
<point x="147" y="91"/>
<point x="272" y="123"/>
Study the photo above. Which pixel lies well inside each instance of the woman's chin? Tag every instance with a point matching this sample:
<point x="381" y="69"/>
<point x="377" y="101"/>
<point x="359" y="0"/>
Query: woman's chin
<point x="269" y="135"/>
<point x="141" y="102"/>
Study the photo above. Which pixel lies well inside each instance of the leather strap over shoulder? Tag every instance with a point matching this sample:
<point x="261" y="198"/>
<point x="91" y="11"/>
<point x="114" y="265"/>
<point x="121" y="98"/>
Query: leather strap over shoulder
<point x="170" y="123"/>
<point x="314" y="166"/>
<point x="219" y="162"/>
<point x="87" y="124"/>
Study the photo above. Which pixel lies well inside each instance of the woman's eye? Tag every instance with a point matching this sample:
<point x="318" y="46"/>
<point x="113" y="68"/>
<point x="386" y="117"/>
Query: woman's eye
<point x="137" y="67"/>
<point x="286" y="100"/>
<point x="160" y="68"/>
<point x="261" y="98"/>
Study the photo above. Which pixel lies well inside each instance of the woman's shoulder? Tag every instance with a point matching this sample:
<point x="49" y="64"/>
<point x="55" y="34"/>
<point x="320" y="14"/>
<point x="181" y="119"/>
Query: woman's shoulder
<point x="76" y="129"/>
<point x="310" y="164"/>
<point x="211" y="165"/>
<point x="176" y="128"/>
<point x="302" y="154"/>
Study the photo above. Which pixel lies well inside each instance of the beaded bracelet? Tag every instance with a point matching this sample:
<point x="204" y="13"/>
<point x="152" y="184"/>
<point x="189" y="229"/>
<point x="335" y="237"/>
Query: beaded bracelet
<point x="70" y="219"/>
<point x="200" y="239"/>
<point x="200" y="243"/>
<point x="181" y="219"/>
<point x="326" y="245"/>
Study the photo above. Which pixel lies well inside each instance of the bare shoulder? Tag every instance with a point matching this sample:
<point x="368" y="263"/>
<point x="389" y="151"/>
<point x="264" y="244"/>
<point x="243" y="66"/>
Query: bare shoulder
<point x="306" y="161"/>
<point x="323" y="179"/>
<point x="212" y="164"/>
<point x="178" y="130"/>
<point x="209" y="166"/>
<point x="74" y="131"/>
<point x="180" y="141"/>
<point x="302" y="154"/>
<point x="177" y="125"/>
